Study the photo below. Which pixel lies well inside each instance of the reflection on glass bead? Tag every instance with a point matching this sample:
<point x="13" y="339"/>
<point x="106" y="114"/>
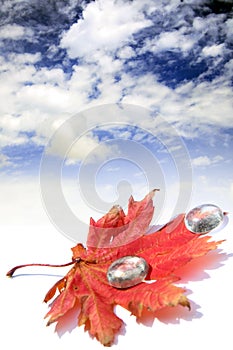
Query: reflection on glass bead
<point x="127" y="271"/>
<point x="203" y="218"/>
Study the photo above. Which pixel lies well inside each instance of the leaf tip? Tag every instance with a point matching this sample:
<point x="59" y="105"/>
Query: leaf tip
<point x="185" y="302"/>
<point x="152" y="192"/>
<point x="49" y="323"/>
<point x="155" y="189"/>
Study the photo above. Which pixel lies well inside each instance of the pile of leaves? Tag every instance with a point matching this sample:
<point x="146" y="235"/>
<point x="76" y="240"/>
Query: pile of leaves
<point x="116" y="235"/>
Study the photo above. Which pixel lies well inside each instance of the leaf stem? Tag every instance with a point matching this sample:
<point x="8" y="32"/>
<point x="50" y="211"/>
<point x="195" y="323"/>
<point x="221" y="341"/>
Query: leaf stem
<point x="12" y="271"/>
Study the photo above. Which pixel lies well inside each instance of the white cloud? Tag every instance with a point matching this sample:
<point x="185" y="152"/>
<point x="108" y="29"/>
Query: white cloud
<point x="171" y="40"/>
<point x="55" y="76"/>
<point x="86" y="148"/>
<point x="126" y="52"/>
<point x="14" y="73"/>
<point x="229" y="29"/>
<point x="106" y="25"/>
<point x="199" y="24"/>
<point x="213" y="51"/>
<point x="209" y="102"/>
<point x="46" y="97"/>
<point x="147" y="91"/>
<point x="32" y="99"/>
<point x="192" y="108"/>
<point x="15" y="32"/>
<point x="10" y="128"/>
<point x="21" y="59"/>
<point x="206" y="161"/>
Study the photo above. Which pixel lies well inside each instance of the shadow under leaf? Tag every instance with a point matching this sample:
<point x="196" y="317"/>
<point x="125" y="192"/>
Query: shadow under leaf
<point x="170" y="315"/>
<point x="195" y="270"/>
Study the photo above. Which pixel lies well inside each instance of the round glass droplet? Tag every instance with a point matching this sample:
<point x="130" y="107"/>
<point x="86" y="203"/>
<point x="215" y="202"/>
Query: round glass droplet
<point x="127" y="271"/>
<point x="203" y="218"/>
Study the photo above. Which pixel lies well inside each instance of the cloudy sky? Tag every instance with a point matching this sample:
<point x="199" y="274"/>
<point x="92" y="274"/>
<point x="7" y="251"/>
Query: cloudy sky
<point x="171" y="60"/>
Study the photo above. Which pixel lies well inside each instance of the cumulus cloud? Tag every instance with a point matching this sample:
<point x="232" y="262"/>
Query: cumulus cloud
<point x="171" y="40"/>
<point x="213" y="50"/>
<point x="15" y="32"/>
<point x="206" y="161"/>
<point x="105" y="25"/>
<point x="87" y="149"/>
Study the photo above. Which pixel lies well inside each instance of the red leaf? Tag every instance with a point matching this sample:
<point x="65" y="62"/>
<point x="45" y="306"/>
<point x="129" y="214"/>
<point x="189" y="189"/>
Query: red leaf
<point x="115" y="228"/>
<point x="86" y="283"/>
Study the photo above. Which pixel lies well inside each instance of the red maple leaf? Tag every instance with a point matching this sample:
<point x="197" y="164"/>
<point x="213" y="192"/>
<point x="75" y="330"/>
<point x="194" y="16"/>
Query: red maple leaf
<point x="114" y="236"/>
<point x="86" y="283"/>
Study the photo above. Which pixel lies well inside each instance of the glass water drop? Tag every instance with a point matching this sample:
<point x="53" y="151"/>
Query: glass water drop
<point x="127" y="271"/>
<point x="203" y="218"/>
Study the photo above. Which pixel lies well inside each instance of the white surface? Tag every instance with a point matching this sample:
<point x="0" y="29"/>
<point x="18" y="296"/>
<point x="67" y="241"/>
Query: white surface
<point x="207" y="325"/>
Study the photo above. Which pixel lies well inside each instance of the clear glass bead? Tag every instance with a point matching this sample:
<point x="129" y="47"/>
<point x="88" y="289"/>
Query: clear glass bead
<point x="203" y="218"/>
<point x="127" y="271"/>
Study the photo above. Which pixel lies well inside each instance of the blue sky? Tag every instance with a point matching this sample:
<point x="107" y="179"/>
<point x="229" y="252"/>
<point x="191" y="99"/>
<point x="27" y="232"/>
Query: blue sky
<point x="172" y="58"/>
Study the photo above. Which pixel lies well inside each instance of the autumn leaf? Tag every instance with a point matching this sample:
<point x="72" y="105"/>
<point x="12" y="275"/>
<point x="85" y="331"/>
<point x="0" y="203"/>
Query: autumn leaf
<point x="117" y="228"/>
<point x="114" y="236"/>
